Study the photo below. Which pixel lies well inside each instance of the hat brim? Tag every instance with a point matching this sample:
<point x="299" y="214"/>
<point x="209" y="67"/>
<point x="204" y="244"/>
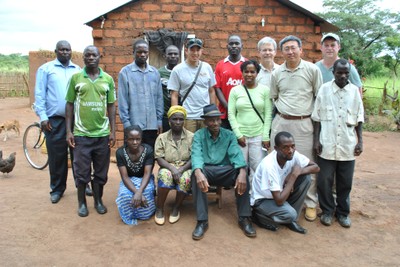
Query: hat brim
<point x="215" y="114"/>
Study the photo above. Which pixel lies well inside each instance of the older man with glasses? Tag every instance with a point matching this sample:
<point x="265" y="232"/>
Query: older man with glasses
<point x="294" y="86"/>
<point x="192" y="81"/>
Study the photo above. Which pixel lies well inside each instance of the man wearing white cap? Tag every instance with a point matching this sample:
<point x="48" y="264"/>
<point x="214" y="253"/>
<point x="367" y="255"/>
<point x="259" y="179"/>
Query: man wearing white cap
<point x="330" y="46"/>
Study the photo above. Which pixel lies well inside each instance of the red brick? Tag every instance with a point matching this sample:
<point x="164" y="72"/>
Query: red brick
<point x="204" y="2"/>
<point x="276" y="20"/>
<point x="282" y="11"/>
<point x="212" y="9"/>
<point x="254" y="19"/>
<point x="264" y="11"/>
<point x="153" y="24"/>
<point x="113" y="33"/>
<point x="285" y="29"/>
<point x="182" y="17"/>
<point x="247" y="27"/>
<point x="257" y="2"/>
<point x="219" y="36"/>
<point x="233" y="18"/>
<point x="97" y="33"/>
<point x="236" y="2"/>
<point x="150" y="7"/>
<point x="304" y="29"/>
<point x="123" y="24"/>
<point x="170" y="8"/>
<point x="184" y="1"/>
<point x="161" y="16"/>
<point x="139" y="15"/>
<point x="190" y="9"/>
<point x="297" y="20"/>
<point x="172" y="25"/>
<point x="202" y="17"/>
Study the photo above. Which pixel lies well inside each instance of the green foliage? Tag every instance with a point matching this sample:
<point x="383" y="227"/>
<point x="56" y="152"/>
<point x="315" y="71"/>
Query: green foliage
<point x="365" y="31"/>
<point x="14" y="63"/>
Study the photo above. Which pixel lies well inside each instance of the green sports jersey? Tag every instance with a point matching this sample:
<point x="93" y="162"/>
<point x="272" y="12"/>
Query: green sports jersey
<point x="90" y="100"/>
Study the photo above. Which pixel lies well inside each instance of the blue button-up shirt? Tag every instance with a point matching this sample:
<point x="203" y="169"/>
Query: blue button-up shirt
<point x="51" y="87"/>
<point x="140" y="97"/>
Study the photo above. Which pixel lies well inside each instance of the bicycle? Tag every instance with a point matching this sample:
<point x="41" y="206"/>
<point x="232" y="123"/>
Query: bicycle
<point x="34" y="144"/>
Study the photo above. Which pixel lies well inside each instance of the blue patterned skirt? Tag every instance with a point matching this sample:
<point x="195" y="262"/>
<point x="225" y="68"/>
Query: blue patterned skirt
<point x="129" y="214"/>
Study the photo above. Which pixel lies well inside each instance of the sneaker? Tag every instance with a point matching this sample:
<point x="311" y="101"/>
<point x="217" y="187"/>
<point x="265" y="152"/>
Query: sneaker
<point x="326" y="219"/>
<point x="310" y="214"/>
<point x="344" y="221"/>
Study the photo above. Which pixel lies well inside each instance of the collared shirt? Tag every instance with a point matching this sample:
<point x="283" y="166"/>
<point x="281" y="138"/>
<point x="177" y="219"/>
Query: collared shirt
<point x="50" y="88"/>
<point x="269" y="176"/>
<point x="339" y="110"/>
<point x="327" y="74"/>
<point x="176" y="152"/>
<point x="140" y="97"/>
<point x="222" y="151"/>
<point x="90" y="100"/>
<point x="264" y="77"/>
<point x="294" y="91"/>
<point x="228" y="75"/>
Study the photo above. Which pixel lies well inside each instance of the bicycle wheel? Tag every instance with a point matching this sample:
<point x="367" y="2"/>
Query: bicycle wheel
<point x="34" y="143"/>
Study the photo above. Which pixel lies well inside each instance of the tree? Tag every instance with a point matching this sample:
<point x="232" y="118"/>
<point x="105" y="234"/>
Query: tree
<point x="364" y="29"/>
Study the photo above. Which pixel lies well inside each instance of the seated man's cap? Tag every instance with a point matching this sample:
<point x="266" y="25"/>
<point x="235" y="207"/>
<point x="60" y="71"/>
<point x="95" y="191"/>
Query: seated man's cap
<point x="194" y="42"/>
<point x="330" y="35"/>
<point x="211" y="111"/>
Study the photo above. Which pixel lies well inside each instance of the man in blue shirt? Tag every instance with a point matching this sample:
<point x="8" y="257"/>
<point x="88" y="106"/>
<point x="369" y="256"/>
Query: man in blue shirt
<point x="140" y="96"/>
<point x="217" y="160"/>
<point x="50" y="89"/>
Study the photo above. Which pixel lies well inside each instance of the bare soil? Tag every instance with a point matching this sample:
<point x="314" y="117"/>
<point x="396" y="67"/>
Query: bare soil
<point x="34" y="232"/>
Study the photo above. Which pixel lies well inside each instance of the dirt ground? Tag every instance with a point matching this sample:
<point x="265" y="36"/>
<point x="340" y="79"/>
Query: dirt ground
<point x="34" y="232"/>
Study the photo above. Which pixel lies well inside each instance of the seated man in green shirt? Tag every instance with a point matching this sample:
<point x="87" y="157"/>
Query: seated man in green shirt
<point x="217" y="160"/>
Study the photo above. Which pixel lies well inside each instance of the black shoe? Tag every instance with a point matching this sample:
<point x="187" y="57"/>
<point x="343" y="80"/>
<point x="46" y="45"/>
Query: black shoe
<point x="88" y="191"/>
<point x="201" y="228"/>
<point x="82" y="210"/>
<point x="296" y="228"/>
<point x="55" y="198"/>
<point x="247" y="227"/>
<point x="267" y="223"/>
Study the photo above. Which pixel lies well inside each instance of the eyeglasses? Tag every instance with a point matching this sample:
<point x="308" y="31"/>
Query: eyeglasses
<point x="290" y="48"/>
<point x="193" y="42"/>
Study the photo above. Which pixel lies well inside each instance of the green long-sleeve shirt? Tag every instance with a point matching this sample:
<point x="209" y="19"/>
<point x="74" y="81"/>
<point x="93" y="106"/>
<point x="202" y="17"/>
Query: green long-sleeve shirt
<point x="223" y="151"/>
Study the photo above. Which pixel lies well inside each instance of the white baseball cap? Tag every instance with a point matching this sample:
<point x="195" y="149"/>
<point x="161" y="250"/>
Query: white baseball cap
<point x="330" y="35"/>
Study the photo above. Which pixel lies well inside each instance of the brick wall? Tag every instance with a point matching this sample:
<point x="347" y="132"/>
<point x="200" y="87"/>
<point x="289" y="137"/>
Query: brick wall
<point x="211" y="20"/>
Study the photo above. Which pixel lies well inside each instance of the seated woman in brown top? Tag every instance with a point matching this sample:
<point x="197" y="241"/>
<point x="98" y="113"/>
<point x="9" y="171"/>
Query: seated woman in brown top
<point x="172" y="152"/>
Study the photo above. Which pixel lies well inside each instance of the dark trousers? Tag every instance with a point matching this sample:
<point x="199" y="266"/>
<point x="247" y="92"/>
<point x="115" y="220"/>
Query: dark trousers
<point x="149" y="137"/>
<point x="57" y="149"/>
<point x="165" y="124"/>
<point x="90" y="151"/>
<point x="219" y="176"/>
<point x="290" y="210"/>
<point x="344" y="171"/>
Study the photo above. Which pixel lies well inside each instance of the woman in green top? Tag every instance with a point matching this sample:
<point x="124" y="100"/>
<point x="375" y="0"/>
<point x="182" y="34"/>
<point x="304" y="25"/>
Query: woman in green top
<point x="250" y="115"/>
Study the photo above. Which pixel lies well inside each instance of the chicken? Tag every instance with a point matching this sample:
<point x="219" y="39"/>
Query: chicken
<point x="7" y="165"/>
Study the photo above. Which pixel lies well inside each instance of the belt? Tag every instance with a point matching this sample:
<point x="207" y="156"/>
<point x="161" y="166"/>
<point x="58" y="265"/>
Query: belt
<point x="290" y="117"/>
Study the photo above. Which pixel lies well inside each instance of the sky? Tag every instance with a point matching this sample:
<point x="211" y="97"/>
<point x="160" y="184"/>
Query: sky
<point x="32" y="25"/>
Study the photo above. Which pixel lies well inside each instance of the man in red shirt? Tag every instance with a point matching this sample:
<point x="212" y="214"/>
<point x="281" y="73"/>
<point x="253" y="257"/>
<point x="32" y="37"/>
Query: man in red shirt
<point x="228" y="75"/>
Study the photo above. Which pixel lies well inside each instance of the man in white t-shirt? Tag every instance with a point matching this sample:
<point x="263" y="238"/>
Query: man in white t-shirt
<point x="202" y="93"/>
<point x="280" y="185"/>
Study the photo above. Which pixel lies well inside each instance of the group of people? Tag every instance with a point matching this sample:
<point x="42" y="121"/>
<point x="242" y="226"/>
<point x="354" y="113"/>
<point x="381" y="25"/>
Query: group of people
<point x="282" y="136"/>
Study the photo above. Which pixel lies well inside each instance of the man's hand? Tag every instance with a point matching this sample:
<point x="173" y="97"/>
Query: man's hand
<point x="71" y="139"/>
<point x="242" y="141"/>
<point x="241" y="184"/>
<point x="358" y="149"/>
<point x="46" y="126"/>
<point x="137" y="199"/>
<point x="201" y="180"/>
<point x="317" y="147"/>
<point x="266" y="144"/>
<point x="111" y="140"/>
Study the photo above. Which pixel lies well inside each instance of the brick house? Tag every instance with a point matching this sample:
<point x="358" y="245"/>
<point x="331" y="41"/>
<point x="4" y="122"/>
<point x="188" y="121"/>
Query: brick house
<point x="211" y="20"/>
